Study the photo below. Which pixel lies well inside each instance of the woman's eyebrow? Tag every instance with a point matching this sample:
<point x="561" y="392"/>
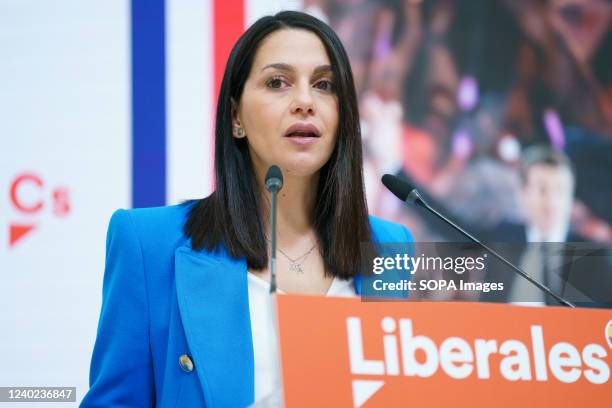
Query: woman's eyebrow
<point x="280" y="66"/>
<point x="321" y="69"/>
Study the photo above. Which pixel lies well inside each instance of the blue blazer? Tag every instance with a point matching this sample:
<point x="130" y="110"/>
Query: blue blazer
<point x="161" y="300"/>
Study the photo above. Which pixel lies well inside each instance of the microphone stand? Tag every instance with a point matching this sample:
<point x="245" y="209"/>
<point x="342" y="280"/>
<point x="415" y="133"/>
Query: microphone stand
<point x="274" y="183"/>
<point x="273" y="244"/>
<point x="415" y="197"/>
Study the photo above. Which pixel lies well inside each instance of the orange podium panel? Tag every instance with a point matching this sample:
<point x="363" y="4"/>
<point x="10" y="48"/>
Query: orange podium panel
<point x="342" y="352"/>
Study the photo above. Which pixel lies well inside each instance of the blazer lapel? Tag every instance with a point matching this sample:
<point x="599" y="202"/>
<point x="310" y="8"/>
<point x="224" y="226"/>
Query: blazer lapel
<point x="213" y="301"/>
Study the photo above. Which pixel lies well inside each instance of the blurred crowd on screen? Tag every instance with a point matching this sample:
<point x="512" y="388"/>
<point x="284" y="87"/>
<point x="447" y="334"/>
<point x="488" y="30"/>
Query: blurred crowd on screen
<point x="500" y="113"/>
<point x="453" y="91"/>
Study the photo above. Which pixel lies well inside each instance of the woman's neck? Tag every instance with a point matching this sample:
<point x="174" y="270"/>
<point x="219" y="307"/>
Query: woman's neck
<point x="295" y="203"/>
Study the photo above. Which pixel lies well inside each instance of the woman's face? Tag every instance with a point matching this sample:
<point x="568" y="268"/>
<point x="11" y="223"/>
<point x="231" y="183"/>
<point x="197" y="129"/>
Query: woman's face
<point x="289" y="109"/>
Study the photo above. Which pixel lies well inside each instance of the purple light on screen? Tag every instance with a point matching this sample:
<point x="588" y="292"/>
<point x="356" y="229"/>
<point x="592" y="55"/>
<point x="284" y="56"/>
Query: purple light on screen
<point x="382" y="48"/>
<point x="554" y="128"/>
<point x="462" y="144"/>
<point x="467" y="93"/>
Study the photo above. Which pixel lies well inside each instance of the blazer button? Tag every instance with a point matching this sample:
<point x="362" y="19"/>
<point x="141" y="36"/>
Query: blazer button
<point x="186" y="363"/>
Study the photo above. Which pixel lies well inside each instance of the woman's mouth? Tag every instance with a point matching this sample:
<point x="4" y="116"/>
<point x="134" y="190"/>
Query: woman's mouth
<point x="303" y="133"/>
<point x="302" y="140"/>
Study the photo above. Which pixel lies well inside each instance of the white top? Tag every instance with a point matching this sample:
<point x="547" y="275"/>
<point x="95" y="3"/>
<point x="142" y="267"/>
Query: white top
<point x="265" y="343"/>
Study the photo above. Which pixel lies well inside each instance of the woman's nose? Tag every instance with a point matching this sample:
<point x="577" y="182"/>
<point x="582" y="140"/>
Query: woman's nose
<point x="303" y="102"/>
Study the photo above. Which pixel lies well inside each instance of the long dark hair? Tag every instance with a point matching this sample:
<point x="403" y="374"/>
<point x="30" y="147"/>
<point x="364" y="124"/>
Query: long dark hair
<point x="232" y="215"/>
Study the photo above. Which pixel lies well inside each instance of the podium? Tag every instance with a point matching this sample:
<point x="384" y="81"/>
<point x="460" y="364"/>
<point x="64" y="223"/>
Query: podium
<point x="345" y="352"/>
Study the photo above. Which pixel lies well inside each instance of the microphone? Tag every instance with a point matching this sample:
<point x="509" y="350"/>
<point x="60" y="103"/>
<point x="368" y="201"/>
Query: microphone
<point x="274" y="183"/>
<point x="410" y="195"/>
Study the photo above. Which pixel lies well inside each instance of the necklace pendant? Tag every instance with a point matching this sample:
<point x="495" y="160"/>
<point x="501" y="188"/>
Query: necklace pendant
<point x="296" y="267"/>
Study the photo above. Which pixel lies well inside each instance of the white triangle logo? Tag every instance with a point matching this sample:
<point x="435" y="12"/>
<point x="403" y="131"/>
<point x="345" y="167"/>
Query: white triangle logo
<point x="363" y="390"/>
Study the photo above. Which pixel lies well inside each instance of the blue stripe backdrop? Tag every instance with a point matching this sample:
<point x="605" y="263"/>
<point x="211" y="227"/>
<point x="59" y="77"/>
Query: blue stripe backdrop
<point x="148" y="103"/>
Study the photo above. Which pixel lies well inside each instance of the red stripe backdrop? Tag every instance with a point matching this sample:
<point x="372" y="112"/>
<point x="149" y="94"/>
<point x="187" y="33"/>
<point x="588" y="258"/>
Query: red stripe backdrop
<point x="229" y="22"/>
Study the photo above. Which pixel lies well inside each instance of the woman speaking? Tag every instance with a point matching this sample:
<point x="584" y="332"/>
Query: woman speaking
<point x="185" y="317"/>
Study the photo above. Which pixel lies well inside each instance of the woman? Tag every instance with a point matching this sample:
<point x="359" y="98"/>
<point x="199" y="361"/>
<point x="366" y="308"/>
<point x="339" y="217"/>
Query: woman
<point x="185" y="287"/>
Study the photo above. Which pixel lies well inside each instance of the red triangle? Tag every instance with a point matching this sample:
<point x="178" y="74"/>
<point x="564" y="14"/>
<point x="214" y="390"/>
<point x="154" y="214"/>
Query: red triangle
<point x="18" y="231"/>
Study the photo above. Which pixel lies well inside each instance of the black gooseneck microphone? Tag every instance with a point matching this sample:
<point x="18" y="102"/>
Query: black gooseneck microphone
<point x="274" y="183"/>
<point x="410" y="195"/>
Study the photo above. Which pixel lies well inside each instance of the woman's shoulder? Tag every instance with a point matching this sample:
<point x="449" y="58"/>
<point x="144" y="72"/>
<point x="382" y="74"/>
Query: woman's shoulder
<point x="154" y="225"/>
<point x="387" y="231"/>
<point x="158" y="217"/>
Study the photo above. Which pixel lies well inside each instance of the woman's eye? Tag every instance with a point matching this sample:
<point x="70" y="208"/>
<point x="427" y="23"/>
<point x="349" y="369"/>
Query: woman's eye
<point x="325" y="85"/>
<point x="275" y="83"/>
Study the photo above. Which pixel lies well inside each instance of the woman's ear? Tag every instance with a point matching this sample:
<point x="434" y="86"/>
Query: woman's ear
<point x="237" y="129"/>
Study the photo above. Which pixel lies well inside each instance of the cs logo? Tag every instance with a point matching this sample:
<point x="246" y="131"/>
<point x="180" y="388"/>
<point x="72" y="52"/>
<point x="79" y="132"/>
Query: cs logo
<point x="30" y="197"/>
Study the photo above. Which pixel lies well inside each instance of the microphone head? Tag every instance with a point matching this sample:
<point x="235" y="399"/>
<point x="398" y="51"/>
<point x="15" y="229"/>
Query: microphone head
<point x="398" y="187"/>
<point x="274" y="179"/>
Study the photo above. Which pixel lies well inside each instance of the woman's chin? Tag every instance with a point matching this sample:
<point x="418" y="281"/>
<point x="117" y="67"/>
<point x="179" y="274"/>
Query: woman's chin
<point x="302" y="168"/>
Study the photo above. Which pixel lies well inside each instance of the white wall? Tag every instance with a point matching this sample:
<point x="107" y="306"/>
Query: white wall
<point x="64" y="98"/>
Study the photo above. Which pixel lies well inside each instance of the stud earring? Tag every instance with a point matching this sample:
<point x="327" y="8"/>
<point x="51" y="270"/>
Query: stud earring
<point x="239" y="132"/>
